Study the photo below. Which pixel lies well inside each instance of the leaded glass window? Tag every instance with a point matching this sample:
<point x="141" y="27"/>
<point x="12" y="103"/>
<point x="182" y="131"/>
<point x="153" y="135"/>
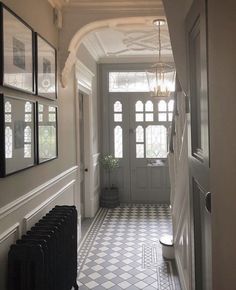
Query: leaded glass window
<point x="139" y="134"/>
<point x="8" y="142"/>
<point x="139" y="111"/>
<point x="118" y="142"/>
<point x="165" y="111"/>
<point x="28" y="107"/>
<point x="156" y="141"/>
<point x="27" y="134"/>
<point x="47" y="142"/>
<point x="139" y="142"/>
<point x="47" y="132"/>
<point x="117" y="107"/>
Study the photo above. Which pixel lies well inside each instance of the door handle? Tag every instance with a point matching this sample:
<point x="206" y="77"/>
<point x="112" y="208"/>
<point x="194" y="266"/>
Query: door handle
<point x="86" y="169"/>
<point x="208" y="202"/>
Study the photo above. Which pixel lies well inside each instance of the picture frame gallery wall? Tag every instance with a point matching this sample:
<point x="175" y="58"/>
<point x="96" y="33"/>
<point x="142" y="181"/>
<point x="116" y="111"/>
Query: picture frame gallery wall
<point x="28" y="65"/>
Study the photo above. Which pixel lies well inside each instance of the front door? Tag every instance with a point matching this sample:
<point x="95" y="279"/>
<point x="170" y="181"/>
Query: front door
<point x="139" y="138"/>
<point x="199" y="146"/>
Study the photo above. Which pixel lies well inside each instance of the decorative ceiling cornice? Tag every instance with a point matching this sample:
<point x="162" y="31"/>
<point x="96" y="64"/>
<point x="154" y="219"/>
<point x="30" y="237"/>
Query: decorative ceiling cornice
<point x="128" y="6"/>
<point x="58" y="3"/>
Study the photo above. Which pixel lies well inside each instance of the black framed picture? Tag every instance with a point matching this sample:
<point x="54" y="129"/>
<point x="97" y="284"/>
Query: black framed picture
<point x="17" y="135"/>
<point x="17" y="52"/>
<point x="47" y="138"/>
<point x="46" y="69"/>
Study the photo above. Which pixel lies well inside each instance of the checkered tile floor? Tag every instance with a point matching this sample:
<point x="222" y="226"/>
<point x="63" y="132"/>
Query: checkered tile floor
<point x="121" y="250"/>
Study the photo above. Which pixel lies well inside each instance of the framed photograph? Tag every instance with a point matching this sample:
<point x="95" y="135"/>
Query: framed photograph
<point x="46" y="69"/>
<point x="17" y="135"/>
<point x="47" y="138"/>
<point x="17" y="52"/>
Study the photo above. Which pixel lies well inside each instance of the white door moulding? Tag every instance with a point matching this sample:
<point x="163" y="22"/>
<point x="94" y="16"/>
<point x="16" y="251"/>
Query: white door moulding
<point x="81" y="33"/>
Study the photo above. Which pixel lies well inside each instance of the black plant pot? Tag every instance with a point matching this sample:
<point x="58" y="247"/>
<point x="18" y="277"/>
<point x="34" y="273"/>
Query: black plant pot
<point x="110" y="197"/>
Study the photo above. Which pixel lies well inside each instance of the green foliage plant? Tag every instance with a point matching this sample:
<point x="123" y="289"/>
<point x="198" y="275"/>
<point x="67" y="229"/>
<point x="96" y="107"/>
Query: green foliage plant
<point x="109" y="163"/>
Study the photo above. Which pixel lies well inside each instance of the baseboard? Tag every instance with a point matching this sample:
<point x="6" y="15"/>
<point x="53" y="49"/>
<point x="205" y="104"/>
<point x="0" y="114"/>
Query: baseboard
<point x="180" y="272"/>
<point x="94" y="203"/>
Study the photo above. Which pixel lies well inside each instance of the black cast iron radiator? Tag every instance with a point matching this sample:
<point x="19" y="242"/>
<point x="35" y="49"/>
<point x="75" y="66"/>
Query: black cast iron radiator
<point x="46" y="257"/>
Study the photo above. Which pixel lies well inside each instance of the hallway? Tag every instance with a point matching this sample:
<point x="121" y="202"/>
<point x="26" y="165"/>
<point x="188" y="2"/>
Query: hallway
<point x="121" y="250"/>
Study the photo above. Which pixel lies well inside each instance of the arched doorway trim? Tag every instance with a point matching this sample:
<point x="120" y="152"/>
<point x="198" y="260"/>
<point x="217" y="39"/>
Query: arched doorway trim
<point x="81" y="33"/>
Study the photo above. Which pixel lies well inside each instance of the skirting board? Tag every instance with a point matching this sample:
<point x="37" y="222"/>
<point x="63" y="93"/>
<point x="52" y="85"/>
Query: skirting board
<point x="180" y="272"/>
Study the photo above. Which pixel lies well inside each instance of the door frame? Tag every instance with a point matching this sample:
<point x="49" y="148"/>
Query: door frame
<point x="84" y="78"/>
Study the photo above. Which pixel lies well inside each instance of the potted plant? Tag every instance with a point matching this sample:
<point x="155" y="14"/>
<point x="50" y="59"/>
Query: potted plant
<point x="110" y="194"/>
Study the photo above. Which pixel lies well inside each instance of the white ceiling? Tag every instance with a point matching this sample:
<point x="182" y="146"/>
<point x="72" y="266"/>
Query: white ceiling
<point x="123" y="42"/>
<point x="129" y="43"/>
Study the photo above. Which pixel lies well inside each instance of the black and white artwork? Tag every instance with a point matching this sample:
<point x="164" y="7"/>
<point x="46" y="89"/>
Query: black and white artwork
<point x="17" y="142"/>
<point x="17" y="52"/>
<point x="46" y="72"/>
<point x="47" y="132"/>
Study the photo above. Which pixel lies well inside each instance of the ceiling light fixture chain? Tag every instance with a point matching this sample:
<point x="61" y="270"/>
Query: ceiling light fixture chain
<point x="161" y="78"/>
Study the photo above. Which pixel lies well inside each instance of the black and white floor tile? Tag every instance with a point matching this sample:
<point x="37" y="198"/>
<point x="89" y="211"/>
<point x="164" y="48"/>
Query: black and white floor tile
<point x="121" y="250"/>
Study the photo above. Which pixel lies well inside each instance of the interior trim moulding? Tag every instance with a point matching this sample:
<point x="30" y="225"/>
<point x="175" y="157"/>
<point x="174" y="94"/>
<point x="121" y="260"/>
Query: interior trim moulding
<point x="58" y="3"/>
<point x="15" y="229"/>
<point x="44" y="204"/>
<point x="12" y="206"/>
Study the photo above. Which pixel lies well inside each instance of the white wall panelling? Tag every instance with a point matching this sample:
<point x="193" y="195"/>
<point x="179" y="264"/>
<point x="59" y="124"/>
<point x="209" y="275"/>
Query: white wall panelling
<point x="18" y="217"/>
<point x="178" y="168"/>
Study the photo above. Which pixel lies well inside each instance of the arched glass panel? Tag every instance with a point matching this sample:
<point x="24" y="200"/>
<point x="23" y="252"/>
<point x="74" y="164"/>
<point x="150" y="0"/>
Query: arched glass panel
<point x="162" y="107"/>
<point x="7" y="107"/>
<point x="171" y="106"/>
<point x="117" y="106"/>
<point x="8" y="142"/>
<point x="28" y="107"/>
<point x="156" y="141"/>
<point x="139" y="134"/>
<point x="139" y="106"/>
<point x="149" y="106"/>
<point x="118" y="142"/>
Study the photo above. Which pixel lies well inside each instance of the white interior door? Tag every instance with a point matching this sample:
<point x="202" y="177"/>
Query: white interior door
<point x="139" y="138"/>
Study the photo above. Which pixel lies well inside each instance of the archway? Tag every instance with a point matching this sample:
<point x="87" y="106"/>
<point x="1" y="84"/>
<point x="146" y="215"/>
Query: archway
<point x="81" y="33"/>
